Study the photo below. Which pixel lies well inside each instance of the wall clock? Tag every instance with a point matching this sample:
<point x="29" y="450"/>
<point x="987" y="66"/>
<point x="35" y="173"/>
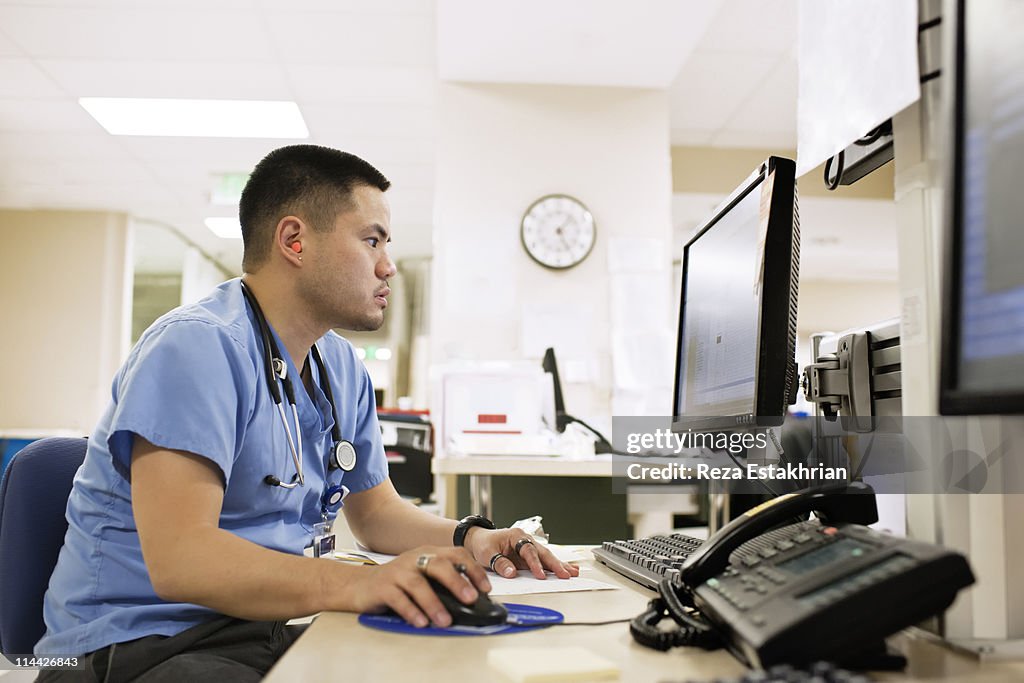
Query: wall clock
<point x="558" y="231"/>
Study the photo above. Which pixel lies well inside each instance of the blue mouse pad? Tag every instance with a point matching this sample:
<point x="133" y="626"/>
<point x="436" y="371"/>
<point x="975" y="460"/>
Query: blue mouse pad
<point x="526" y="616"/>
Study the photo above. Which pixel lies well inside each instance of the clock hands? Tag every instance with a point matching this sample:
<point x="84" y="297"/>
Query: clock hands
<point x="561" y="234"/>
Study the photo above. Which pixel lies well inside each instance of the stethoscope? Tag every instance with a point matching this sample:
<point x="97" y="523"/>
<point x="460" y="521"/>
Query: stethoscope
<point x="343" y="453"/>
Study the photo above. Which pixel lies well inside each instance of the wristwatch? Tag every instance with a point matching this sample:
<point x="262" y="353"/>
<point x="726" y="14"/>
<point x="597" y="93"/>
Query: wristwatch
<point x="467" y="523"/>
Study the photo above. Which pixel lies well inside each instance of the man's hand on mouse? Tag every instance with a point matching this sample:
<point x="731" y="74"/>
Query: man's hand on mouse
<point x="402" y="584"/>
<point x="506" y="550"/>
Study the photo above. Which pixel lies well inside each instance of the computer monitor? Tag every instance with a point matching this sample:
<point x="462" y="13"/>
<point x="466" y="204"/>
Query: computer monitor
<point x="562" y="418"/>
<point x="736" y="347"/>
<point x="982" y="358"/>
<point x="550" y="366"/>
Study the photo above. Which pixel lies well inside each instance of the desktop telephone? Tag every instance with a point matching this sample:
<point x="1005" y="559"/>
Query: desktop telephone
<point x="823" y="589"/>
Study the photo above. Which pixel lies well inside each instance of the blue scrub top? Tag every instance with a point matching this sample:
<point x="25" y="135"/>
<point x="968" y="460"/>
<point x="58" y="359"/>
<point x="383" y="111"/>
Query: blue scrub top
<point x="195" y="382"/>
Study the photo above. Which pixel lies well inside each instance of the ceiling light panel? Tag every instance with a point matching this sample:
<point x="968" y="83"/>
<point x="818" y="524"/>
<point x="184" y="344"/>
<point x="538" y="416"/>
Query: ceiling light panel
<point x="197" y="118"/>
<point x="224" y="226"/>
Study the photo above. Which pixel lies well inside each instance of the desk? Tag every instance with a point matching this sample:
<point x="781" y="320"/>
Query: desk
<point x="649" y="514"/>
<point x="480" y="469"/>
<point x="337" y="648"/>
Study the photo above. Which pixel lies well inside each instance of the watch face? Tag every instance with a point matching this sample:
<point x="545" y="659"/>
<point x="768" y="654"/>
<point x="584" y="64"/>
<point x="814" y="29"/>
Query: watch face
<point x="558" y="231"/>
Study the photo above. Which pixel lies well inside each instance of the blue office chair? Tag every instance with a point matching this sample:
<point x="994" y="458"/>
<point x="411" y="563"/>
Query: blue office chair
<point x="33" y="501"/>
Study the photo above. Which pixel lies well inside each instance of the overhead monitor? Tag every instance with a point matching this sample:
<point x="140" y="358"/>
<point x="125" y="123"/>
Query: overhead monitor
<point x="736" y="345"/>
<point x="982" y="362"/>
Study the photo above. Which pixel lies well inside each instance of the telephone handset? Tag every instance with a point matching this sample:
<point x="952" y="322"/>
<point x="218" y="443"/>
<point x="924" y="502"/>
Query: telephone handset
<point x="797" y="593"/>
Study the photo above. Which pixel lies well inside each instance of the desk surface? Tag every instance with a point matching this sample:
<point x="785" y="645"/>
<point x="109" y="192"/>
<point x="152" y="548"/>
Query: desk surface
<point x="336" y="648"/>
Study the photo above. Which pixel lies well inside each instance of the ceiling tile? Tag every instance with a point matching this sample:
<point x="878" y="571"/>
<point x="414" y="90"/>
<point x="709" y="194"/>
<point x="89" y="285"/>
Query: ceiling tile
<point x="124" y="173"/>
<point x="692" y="137"/>
<point x="713" y="85"/>
<point x="782" y="142"/>
<point x="95" y="146"/>
<point x="405" y="7"/>
<point x="45" y="115"/>
<point x="361" y="120"/>
<point x="134" y="4"/>
<point x="571" y="42"/>
<point x="754" y="25"/>
<point x="192" y="173"/>
<point x="383" y="152"/>
<point x="363" y="39"/>
<point x="8" y="48"/>
<point x="189" y="80"/>
<point x="771" y="107"/>
<point x="337" y="83"/>
<point x="232" y="153"/>
<point x="66" y="196"/>
<point x="132" y="33"/>
<point x="22" y="78"/>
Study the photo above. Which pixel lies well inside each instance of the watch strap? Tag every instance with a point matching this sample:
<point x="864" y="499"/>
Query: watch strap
<point x="467" y="523"/>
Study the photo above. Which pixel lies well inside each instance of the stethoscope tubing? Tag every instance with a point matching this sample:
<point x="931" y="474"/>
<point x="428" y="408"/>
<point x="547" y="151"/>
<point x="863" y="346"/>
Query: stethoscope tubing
<point x="276" y="371"/>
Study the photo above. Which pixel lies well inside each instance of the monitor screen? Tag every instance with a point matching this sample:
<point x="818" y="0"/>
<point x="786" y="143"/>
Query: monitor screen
<point x="735" y="360"/>
<point x="983" y="316"/>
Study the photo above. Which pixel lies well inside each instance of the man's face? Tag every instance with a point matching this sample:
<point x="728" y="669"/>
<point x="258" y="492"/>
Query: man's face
<point x="346" y="283"/>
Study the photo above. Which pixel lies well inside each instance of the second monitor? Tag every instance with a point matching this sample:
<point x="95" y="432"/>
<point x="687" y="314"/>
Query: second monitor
<point x="735" y="360"/>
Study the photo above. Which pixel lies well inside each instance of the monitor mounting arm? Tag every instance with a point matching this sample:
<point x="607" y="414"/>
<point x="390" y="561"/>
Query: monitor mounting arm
<point x="841" y="382"/>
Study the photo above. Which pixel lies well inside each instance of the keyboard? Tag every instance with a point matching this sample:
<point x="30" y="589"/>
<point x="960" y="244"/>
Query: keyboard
<point x="648" y="560"/>
<point x="819" y="672"/>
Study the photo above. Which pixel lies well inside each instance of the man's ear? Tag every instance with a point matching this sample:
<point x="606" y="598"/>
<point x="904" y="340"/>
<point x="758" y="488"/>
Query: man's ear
<point x="288" y="239"/>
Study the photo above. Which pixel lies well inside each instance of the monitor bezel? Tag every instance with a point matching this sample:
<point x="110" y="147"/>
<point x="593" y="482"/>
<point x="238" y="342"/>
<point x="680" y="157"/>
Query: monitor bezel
<point x="777" y="308"/>
<point x="953" y="399"/>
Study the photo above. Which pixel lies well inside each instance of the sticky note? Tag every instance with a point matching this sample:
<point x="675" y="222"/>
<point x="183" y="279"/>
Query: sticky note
<point x="541" y="664"/>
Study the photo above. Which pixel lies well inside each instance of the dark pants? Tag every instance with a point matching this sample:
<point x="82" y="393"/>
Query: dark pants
<point x="218" y="651"/>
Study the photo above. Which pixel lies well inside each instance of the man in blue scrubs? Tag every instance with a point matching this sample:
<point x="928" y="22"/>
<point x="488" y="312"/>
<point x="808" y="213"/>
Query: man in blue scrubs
<point x="184" y="552"/>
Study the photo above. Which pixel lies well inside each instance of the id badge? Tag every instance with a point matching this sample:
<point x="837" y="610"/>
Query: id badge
<point x="323" y="540"/>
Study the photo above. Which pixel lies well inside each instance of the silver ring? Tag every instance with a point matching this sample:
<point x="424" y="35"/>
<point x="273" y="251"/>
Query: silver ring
<point x="461" y="568"/>
<point x="422" y="561"/>
<point x="494" y="558"/>
<point x="520" y="543"/>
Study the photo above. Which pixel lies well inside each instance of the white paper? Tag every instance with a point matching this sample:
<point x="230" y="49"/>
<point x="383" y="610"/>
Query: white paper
<point x="857" y="62"/>
<point x="565" y="553"/>
<point x="526" y="583"/>
<point x="523" y="584"/>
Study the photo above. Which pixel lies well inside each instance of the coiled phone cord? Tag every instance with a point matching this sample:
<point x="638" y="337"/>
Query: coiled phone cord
<point x="691" y="630"/>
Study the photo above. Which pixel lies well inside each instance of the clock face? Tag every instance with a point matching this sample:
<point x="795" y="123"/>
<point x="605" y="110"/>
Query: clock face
<point x="558" y="231"/>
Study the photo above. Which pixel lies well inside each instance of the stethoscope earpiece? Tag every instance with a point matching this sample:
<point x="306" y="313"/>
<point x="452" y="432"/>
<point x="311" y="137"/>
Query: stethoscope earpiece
<point x="271" y="480"/>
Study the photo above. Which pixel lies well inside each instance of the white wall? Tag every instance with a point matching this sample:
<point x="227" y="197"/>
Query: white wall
<point x="198" y="276"/>
<point x="65" y="302"/>
<point x="837" y="305"/>
<point x="500" y="147"/>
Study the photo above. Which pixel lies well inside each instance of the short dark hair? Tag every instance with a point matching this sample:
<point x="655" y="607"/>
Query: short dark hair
<point x="312" y="182"/>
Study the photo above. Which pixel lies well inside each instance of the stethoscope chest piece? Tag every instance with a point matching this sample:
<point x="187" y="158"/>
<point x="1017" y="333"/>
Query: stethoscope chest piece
<point x="343" y="456"/>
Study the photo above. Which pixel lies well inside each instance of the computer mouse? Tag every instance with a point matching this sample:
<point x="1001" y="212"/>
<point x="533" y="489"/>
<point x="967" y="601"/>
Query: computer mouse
<point x="483" y="612"/>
